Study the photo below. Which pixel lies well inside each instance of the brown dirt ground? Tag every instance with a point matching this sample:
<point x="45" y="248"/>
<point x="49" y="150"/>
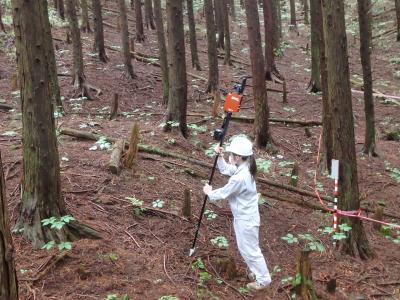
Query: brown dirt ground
<point x="156" y="263"/>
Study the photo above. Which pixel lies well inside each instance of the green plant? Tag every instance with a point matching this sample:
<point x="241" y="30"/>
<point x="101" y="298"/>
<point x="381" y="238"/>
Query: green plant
<point x="198" y="264"/>
<point x="168" y="297"/>
<point x="341" y="234"/>
<point x="113" y="256"/>
<point x="103" y="144"/>
<point x="211" y="215"/>
<point x="57" y="224"/>
<point x="244" y="290"/>
<point x="116" y="297"/>
<point x="308" y="239"/>
<point x="158" y="203"/>
<point x="197" y="129"/>
<point x="137" y="205"/>
<point x="204" y="277"/>
<point x="220" y="242"/>
<point x="263" y="164"/>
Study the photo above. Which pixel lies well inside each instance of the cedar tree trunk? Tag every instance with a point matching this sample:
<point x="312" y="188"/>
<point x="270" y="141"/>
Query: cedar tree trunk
<point x="292" y="13"/>
<point x="98" y="30"/>
<point x="212" y="84"/>
<point x="60" y="7"/>
<point x="85" y="27"/>
<point x="397" y="4"/>
<point x="148" y="13"/>
<point x="232" y="10"/>
<point x="192" y="36"/>
<point x="305" y="10"/>
<point x="219" y="22"/>
<point x="316" y="29"/>
<point x="139" y="21"/>
<point x="269" y="39"/>
<point x="1" y="20"/>
<point x="227" y="57"/>
<point x="125" y="38"/>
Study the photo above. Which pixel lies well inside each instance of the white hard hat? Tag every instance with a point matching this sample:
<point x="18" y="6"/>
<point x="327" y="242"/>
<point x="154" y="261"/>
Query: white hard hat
<point x="240" y="145"/>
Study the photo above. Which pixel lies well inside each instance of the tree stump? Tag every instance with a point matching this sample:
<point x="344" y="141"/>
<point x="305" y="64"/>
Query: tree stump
<point x="378" y="216"/>
<point x="187" y="205"/>
<point x="226" y="267"/>
<point x="306" y="287"/>
<point x="294" y="176"/>
<point x="217" y="101"/>
<point x="114" y="107"/>
<point x="131" y="155"/>
<point x="114" y="164"/>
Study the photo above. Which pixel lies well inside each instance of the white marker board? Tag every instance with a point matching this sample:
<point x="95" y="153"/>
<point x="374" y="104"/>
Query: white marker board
<point x="335" y="169"/>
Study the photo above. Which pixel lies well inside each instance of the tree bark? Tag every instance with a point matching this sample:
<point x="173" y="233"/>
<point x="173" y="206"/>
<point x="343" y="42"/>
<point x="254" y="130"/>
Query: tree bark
<point x="60" y="7"/>
<point x="192" y="36"/>
<point x="275" y="22"/>
<point x="8" y="276"/>
<point x="139" y="21"/>
<point x="85" y="27"/>
<point x="227" y="35"/>
<point x="293" y="21"/>
<point x="78" y="75"/>
<point x="148" y="12"/>
<point x="364" y="17"/>
<point x="316" y="30"/>
<point x="339" y="92"/>
<point x="41" y="190"/>
<point x="305" y="289"/>
<point x="305" y="10"/>
<point x="261" y="127"/>
<point x="177" y="101"/>
<point x="219" y="22"/>
<point x="269" y="38"/>
<point x="232" y="9"/>
<point x="279" y="20"/>
<point x="125" y="39"/>
<point x="1" y="20"/>
<point x="212" y="84"/>
<point x="98" y="30"/>
<point x="397" y="4"/>
<point x="52" y="65"/>
<point x="162" y="49"/>
<point x="115" y="160"/>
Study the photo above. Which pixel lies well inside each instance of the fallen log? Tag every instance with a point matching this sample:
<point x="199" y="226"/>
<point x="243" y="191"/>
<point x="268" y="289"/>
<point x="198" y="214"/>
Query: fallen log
<point x="115" y="161"/>
<point x="161" y="152"/>
<point x="6" y="106"/>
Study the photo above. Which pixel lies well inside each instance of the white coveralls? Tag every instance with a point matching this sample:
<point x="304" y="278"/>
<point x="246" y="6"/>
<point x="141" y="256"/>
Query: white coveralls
<point x="241" y="193"/>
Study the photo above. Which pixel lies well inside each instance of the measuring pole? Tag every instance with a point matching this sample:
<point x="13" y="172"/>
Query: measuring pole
<point x="335" y="176"/>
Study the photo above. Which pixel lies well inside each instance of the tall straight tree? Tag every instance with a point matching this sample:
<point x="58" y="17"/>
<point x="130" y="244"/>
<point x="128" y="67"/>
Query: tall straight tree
<point x="8" y="277"/>
<point x="148" y="12"/>
<point x="227" y="35"/>
<point x="269" y="38"/>
<point x="60" y="7"/>
<point x="85" y="26"/>
<point x="305" y="10"/>
<point x="397" y="5"/>
<point x="212" y="85"/>
<point x="364" y="20"/>
<point x="41" y="186"/>
<point x="162" y="49"/>
<point x="78" y="75"/>
<point x="139" y="21"/>
<point x="261" y="120"/>
<point x="293" y="21"/>
<point x="192" y="36"/>
<point x="125" y="39"/>
<point x="316" y="29"/>
<point x="339" y="92"/>
<point x="55" y="87"/>
<point x="98" y="30"/>
<point x="1" y="20"/>
<point x="219" y="22"/>
<point x="232" y="10"/>
<point x="275" y="22"/>
<point x="177" y="101"/>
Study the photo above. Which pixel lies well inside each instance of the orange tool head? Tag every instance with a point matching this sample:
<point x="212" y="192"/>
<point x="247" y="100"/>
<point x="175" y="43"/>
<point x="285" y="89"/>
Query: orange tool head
<point x="232" y="102"/>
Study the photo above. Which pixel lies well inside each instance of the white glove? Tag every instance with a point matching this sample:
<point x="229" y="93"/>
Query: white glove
<point x="207" y="189"/>
<point x="218" y="149"/>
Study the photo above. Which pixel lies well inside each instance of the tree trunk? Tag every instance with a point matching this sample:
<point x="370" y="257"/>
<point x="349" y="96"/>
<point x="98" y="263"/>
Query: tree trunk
<point x="125" y="39"/>
<point x="261" y="127"/>
<point x="177" y="102"/>
<point x="139" y="21"/>
<point x="269" y="39"/>
<point x="316" y="24"/>
<point x="232" y="10"/>
<point x="52" y="65"/>
<point x="293" y="22"/>
<point x="60" y="7"/>
<point x="8" y="277"/>
<point x="219" y="22"/>
<point x="212" y="84"/>
<point x="305" y="10"/>
<point x="192" y="36"/>
<point x="78" y="76"/>
<point x="85" y="27"/>
<point x="227" y="56"/>
<point x="148" y="12"/>
<point x="364" y="17"/>
<point x="276" y="23"/>
<point x="98" y="30"/>
<point x="397" y="4"/>
<point x="1" y="20"/>
<point x="41" y="190"/>
<point x="339" y="92"/>
<point x="162" y="48"/>
<point x="305" y="289"/>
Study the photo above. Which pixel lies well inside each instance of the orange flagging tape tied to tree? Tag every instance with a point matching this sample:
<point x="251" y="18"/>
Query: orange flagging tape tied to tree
<point x="337" y="212"/>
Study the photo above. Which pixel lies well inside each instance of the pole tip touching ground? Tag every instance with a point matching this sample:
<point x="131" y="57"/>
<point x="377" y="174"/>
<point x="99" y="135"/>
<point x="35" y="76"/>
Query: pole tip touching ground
<point x="191" y="251"/>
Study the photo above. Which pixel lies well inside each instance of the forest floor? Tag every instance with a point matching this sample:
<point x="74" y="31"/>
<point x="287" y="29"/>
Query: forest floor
<point x="144" y="254"/>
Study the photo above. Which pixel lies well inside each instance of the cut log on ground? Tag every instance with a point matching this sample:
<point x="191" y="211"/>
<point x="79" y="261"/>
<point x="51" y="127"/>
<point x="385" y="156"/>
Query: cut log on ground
<point x="6" y="106"/>
<point x="115" y="160"/>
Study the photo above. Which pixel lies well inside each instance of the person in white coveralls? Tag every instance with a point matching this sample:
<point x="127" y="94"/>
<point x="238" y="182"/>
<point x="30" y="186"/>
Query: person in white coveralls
<point x="241" y="193"/>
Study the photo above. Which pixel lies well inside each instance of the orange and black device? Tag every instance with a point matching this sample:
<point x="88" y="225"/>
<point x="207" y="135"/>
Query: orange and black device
<point x="232" y="102"/>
